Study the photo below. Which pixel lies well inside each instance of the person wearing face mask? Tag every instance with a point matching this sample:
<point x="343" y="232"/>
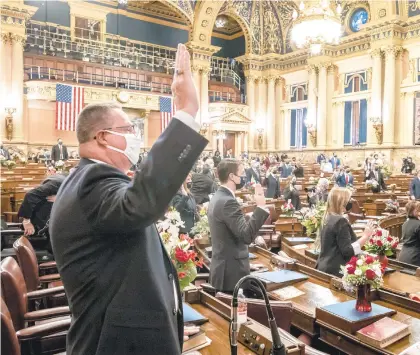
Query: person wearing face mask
<point x="272" y="183"/>
<point x="410" y="252"/>
<point x="376" y="174"/>
<point x="338" y="242"/>
<point x="59" y="152"/>
<point x="230" y="231"/>
<point x="185" y="204"/>
<point x="253" y="173"/>
<point x="122" y="288"/>
<point x="290" y="192"/>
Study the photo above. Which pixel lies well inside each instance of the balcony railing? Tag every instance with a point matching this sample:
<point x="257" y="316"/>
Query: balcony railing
<point x="217" y="96"/>
<point x="42" y="73"/>
<point x="55" y="40"/>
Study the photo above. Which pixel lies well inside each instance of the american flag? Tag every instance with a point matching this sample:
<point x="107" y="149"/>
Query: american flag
<point x="167" y="110"/>
<point x="69" y="102"/>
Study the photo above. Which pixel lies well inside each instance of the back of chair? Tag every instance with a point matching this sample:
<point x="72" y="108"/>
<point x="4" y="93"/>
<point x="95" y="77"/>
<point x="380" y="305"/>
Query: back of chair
<point x="9" y="342"/>
<point x="14" y="291"/>
<point x="28" y="263"/>
<point x="283" y="311"/>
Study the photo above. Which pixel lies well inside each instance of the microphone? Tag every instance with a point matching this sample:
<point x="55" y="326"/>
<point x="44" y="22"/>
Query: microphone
<point x="278" y="346"/>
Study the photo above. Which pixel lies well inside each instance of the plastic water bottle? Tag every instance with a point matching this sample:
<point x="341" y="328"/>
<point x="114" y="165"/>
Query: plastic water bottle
<point x="242" y="307"/>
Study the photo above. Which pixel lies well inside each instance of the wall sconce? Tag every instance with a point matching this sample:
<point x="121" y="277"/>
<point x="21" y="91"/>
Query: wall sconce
<point x="378" y="127"/>
<point x="260" y="132"/>
<point x="9" y="121"/>
<point x="204" y="128"/>
<point x="312" y="132"/>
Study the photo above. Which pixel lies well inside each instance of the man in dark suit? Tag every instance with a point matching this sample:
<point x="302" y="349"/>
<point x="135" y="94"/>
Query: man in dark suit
<point x="320" y="158"/>
<point x="230" y="232"/>
<point x="335" y="161"/>
<point x="253" y="173"/>
<point x="286" y="169"/>
<point x="59" y="151"/>
<point x="415" y="187"/>
<point x="376" y="174"/>
<point x="4" y="152"/>
<point x="272" y="184"/>
<point x="122" y="287"/>
<point x="203" y="185"/>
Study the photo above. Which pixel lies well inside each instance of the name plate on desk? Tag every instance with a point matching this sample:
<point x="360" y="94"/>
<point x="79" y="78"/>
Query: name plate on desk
<point x="276" y="279"/>
<point x="344" y="316"/>
<point x="297" y="240"/>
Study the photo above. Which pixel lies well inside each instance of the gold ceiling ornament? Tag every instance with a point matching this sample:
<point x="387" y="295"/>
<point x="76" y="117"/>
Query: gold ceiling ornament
<point x="316" y="25"/>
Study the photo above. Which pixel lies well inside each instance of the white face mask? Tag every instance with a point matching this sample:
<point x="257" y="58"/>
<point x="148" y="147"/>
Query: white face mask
<point x="132" y="149"/>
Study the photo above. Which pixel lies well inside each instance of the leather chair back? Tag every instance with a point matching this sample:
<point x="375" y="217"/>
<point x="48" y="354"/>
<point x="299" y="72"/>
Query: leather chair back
<point x="283" y="311"/>
<point x="14" y="291"/>
<point x="9" y="341"/>
<point x="28" y="262"/>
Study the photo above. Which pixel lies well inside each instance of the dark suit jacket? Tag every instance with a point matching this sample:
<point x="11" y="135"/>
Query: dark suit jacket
<point x="298" y="172"/>
<point x="381" y="181"/>
<point x="410" y="252"/>
<point x="335" y="162"/>
<point x="250" y="173"/>
<point x="35" y="205"/>
<point x="230" y="234"/>
<point x="415" y="188"/>
<point x="118" y="277"/>
<point x="336" y="249"/>
<point x="292" y="195"/>
<point x="55" y="153"/>
<point x="202" y="186"/>
<point x="187" y="208"/>
<point x="341" y="180"/>
<point x="286" y="171"/>
<point x="273" y="187"/>
<point x="320" y="158"/>
<point x="5" y="153"/>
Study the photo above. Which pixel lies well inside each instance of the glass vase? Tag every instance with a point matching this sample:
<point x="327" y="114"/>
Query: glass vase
<point x="363" y="299"/>
<point x="383" y="259"/>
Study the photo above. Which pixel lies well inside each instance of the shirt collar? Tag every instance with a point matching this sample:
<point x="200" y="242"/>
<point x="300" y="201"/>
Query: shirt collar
<point x="227" y="188"/>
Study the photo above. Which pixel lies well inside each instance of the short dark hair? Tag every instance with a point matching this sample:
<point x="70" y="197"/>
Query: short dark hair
<point x="226" y="167"/>
<point x="59" y="139"/>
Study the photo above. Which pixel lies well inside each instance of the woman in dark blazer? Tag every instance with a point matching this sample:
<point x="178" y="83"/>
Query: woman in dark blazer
<point x="337" y="239"/>
<point x="410" y="252"/>
<point x="184" y="203"/>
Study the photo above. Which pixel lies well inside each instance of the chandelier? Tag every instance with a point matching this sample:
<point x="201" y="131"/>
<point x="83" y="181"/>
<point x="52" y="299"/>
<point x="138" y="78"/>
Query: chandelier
<point x="220" y="21"/>
<point x="316" y="25"/>
<point x="122" y="2"/>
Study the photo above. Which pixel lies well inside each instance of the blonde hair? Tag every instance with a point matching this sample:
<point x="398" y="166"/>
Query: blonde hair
<point x="337" y="200"/>
<point x="412" y="208"/>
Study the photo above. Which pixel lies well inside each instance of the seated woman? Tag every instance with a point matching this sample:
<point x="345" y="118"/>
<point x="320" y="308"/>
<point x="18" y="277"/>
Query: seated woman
<point x="290" y="192"/>
<point x="337" y="239"/>
<point x="410" y="252"/>
<point x="184" y="203"/>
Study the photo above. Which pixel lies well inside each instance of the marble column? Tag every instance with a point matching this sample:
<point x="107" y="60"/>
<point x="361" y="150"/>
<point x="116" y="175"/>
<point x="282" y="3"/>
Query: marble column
<point x="321" y="122"/>
<point x="389" y="96"/>
<point x="287" y="117"/>
<point x="214" y="141"/>
<point x="245" y="141"/>
<point x="376" y="109"/>
<point x="260" y="115"/>
<point x="204" y="93"/>
<point x="271" y="112"/>
<point x="407" y="137"/>
<point x="340" y="124"/>
<point x="312" y="99"/>
<point x="330" y="115"/>
<point x="238" y="138"/>
<point x="16" y="100"/>
<point x="250" y="99"/>
<point x="197" y="83"/>
<point x="5" y="77"/>
<point x="220" y="144"/>
<point x="279" y="116"/>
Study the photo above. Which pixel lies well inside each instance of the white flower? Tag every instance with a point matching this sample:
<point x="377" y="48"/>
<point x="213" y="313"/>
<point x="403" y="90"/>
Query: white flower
<point x="378" y="272"/>
<point x="358" y="272"/>
<point x="359" y="262"/>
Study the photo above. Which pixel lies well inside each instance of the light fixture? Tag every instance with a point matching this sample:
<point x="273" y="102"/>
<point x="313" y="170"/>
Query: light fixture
<point x="122" y="2"/>
<point x="220" y="21"/>
<point x="316" y="25"/>
<point x="204" y="128"/>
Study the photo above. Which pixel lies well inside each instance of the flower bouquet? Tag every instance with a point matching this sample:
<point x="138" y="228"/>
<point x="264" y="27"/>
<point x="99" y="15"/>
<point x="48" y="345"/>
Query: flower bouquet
<point x="383" y="245"/>
<point x="363" y="272"/>
<point x="392" y="206"/>
<point x="288" y="209"/>
<point x="178" y="248"/>
<point x="313" y="219"/>
<point x="59" y="165"/>
<point x="386" y="171"/>
<point x="9" y="164"/>
<point x="201" y="227"/>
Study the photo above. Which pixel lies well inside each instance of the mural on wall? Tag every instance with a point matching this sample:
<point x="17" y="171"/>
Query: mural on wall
<point x="413" y="8"/>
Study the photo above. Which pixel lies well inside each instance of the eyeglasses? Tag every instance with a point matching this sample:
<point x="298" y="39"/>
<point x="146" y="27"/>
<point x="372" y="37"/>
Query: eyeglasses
<point x="132" y="129"/>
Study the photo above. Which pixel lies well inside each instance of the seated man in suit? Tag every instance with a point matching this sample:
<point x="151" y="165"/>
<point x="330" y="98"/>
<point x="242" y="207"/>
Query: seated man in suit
<point x="202" y="185"/>
<point x="122" y="287"/>
<point x="415" y="187"/>
<point x="230" y="231"/>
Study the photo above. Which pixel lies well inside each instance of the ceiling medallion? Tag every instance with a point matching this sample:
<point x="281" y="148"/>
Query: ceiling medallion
<point x="316" y="25"/>
<point x="221" y="21"/>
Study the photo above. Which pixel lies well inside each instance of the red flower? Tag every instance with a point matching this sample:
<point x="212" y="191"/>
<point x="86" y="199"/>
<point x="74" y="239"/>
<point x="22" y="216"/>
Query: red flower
<point x="379" y="243"/>
<point x="199" y="263"/>
<point x="181" y="255"/>
<point x="181" y="275"/>
<point x="371" y="241"/>
<point x="352" y="261"/>
<point x="395" y="245"/>
<point x="369" y="260"/>
<point x="193" y="255"/>
<point x="351" y="270"/>
<point x="379" y="233"/>
<point x="389" y="239"/>
<point x="370" y="274"/>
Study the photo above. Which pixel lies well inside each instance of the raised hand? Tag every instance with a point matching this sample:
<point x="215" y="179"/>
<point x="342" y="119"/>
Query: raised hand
<point x="183" y="88"/>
